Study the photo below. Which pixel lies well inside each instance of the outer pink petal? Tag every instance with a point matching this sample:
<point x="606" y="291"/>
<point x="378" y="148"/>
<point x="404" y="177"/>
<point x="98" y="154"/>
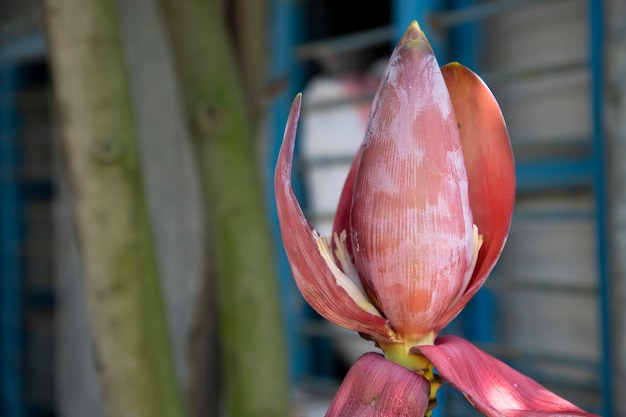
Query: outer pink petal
<point x="376" y="387"/>
<point x="412" y="230"/>
<point x="490" y="170"/>
<point x="493" y="388"/>
<point x="314" y="279"/>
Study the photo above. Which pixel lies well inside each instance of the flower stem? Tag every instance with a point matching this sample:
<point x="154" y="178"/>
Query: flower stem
<point x="405" y="355"/>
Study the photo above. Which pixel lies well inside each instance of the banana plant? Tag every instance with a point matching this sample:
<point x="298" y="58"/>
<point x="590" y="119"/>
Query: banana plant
<point x="422" y="219"/>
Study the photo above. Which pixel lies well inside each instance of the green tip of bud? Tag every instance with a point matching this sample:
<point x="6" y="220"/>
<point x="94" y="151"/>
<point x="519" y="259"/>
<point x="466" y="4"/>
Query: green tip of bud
<point x="415" y="26"/>
<point x="414" y="36"/>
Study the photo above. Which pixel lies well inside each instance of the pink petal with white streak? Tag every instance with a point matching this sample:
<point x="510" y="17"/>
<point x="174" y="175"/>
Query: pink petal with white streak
<point x="330" y="292"/>
<point x="413" y="241"/>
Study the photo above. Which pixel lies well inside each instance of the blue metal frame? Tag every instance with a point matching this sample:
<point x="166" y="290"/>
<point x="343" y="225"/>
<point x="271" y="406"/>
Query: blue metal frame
<point x="11" y="345"/>
<point x="596" y="42"/>
<point x="537" y="175"/>
<point x="10" y="300"/>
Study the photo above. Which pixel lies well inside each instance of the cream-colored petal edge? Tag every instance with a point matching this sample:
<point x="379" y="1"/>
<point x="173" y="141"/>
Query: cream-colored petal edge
<point x="343" y="255"/>
<point x="348" y="285"/>
<point x="478" y="243"/>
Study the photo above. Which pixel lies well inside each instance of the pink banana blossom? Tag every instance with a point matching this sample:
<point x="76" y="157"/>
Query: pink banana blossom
<point x="422" y="219"/>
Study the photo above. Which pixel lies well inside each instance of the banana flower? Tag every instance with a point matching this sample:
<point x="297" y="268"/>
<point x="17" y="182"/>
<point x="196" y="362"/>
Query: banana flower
<point x="422" y="219"/>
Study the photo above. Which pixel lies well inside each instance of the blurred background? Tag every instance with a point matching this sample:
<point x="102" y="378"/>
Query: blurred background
<point x="554" y="308"/>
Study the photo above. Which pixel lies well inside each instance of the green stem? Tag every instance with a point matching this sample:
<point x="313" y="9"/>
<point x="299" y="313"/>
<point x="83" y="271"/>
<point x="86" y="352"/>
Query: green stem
<point x="406" y="354"/>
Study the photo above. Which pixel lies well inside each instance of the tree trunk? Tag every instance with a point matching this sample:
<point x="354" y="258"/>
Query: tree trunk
<point x="251" y="340"/>
<point x="101" y="150"/>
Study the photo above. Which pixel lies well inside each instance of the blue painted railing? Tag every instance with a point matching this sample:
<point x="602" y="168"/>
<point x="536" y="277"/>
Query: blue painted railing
<point x="12" y="402"/>
<point x="596" y="42"/>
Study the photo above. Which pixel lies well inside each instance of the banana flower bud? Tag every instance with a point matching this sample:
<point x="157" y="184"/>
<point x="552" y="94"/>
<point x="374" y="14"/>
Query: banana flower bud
<point x="422" y="219"/>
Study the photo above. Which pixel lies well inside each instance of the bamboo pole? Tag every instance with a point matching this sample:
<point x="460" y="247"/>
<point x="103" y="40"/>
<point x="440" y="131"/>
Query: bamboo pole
<point x="252" y="348"/>
<point x="101" y="150"/>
